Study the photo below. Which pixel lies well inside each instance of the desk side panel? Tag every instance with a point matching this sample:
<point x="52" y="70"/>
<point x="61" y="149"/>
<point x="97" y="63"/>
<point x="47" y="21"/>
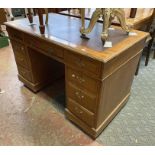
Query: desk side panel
<point x="115" y="89"/>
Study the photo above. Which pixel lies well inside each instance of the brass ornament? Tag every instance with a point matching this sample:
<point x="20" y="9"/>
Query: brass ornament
<point x="107" y="14"/>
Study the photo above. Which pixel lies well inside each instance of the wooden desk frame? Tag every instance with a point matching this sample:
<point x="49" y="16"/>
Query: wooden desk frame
<point x="97" y="83"/>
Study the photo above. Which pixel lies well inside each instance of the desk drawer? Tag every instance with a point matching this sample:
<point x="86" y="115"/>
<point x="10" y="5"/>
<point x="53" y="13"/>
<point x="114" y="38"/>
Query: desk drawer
<point x="82" y="80"/>
<point x="21" y="60"/>
<point x="85" y="99"/>
<point x="15" y="34"/>
<point x="25" y="73"/>
<point x="81" y="112"/>
<point x="18" y="48"/>
<point x="20" y="53"/>
<point x="83" y="62"/>
<point x="51" y="49"/>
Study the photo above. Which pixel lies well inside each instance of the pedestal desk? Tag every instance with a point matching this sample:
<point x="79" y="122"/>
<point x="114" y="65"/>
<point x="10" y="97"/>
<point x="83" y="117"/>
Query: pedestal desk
<point x="97" y="79"/>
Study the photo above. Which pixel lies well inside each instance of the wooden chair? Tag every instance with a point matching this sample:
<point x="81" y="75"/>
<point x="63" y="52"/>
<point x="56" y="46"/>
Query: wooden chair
<point x="40" y="12"/>
<point x="140" y="25"/>
<point x="2" y="18"/>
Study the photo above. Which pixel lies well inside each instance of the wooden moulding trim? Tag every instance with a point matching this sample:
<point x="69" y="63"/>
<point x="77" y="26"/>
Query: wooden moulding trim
<point x="104" y="57"/>
<point x="92" y="131"/>
<point x="121" y="65"/>
<point x="59" y="59"/>
<point x="87" y="129"/>
<point x="34" y="87"/>
<point x="112" y="114"/>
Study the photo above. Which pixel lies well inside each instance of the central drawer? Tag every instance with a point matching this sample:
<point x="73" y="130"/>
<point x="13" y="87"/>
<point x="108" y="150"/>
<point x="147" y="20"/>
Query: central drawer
<point x="49" y="48"/>
<point x="25" y="73"/>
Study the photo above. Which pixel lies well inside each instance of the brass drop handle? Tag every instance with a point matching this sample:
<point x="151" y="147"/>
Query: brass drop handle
<point x="22" y="48"/>
<point x="82" y="80"/>
<point x="82" y="96"/>
<point x="79" y="111"/>
<point x="78" y="78"/>
<point x="73" y="76"/>
<point x="78" y="95"/>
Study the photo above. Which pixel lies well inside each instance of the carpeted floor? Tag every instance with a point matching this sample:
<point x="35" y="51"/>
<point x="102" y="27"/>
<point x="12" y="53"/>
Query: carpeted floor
<point x="38" y="119"/>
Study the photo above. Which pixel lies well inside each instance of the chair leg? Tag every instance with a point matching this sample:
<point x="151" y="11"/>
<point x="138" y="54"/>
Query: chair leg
<point x="147" y="56"/>
<point x="137" y="70"/>
<point x="148" y="52"/>
<point x="154" y="55"/>
<point x="41" y="21"/>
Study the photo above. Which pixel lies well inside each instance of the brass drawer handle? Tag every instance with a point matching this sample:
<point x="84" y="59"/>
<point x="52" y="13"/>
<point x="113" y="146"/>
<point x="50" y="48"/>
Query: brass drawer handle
<point x="81" y="80"/>
<point x="78" y="95"/>
<point x="78" y="78"/>
<point x="22" y="48"/>
<point x="82" y="96"/>
<point x="79" y="111"/>
<point x="73" y="76"/>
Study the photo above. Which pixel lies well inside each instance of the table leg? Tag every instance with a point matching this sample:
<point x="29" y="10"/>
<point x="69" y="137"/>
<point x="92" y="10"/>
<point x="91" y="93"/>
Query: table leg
<point x="41" y="21"/>
<point x="30" y="17"/>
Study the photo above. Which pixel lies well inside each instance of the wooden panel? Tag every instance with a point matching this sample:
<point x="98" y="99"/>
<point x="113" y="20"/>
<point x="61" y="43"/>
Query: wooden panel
<point x="25" y="73"/>
<point x="117" y="62"/>
<point x="15" y="34"/>
<point x="115" y="88"/>
<point x="20" y="54"/>
<point x="83" y="98"/>
<point x="80" y="112"/>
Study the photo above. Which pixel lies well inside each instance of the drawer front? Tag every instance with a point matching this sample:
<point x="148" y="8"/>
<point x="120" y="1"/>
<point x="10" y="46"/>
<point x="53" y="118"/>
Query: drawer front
<point x="15" y="34"/>
<point x="21" y="60"/>
<point x="20" y="54"/>
<point x="84" y="99"/>
<point x="81" y="113"/>
<point x="25" y="73"/>
<point x="51" y="49"/>
<point x="18" y="48"/>
<point x="82" y="80"/>
<point x="82" y="62"/>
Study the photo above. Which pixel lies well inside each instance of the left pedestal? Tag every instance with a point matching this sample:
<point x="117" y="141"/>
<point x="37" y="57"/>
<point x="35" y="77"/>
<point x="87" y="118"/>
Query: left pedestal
<point x="35" y="70"/>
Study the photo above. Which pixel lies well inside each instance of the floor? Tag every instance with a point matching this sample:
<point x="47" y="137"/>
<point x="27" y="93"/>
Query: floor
<point x="38" y="119"/>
